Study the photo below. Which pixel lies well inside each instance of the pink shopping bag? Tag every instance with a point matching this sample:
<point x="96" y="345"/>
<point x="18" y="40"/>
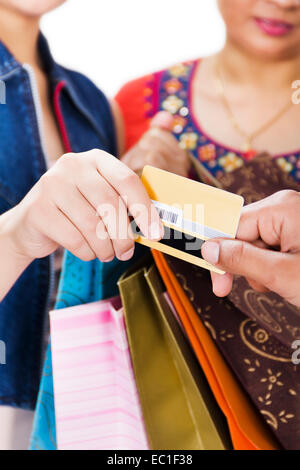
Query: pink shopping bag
<point x="95" y="395"/>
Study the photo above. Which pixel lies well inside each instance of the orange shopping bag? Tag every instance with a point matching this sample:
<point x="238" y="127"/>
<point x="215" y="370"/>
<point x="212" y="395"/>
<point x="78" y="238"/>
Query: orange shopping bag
<point x="247" y="429"/>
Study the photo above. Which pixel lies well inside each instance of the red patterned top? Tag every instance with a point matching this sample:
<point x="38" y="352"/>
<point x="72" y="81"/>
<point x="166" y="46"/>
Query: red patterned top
<point x="170" y="90"/>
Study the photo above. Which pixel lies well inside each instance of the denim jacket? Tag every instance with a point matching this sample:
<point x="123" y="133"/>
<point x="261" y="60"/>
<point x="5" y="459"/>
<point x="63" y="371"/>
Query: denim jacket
<point x="85" y="121"/>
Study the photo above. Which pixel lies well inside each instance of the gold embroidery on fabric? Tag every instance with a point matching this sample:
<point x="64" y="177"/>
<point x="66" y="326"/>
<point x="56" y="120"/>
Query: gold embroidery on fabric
<point x="224" y="336"/>
<point x="283" y="417"/>
<point x="265" y="400"/>
<point x="211" y="329"/>
<point x="252" y="366"/>
<point x="186" y="287"/>
<point x="254" y="299"/>
<point x="269" y="309"/>
<point x="272" y="421"/>
<point x="294" y="330"/>
<point x="272" y="379"/>
<point x="258" y="341"/>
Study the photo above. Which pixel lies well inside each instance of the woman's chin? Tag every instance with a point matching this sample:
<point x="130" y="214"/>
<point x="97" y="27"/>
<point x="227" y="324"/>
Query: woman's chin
<point x="32" y="8"/>
<point x="273" y="48"/>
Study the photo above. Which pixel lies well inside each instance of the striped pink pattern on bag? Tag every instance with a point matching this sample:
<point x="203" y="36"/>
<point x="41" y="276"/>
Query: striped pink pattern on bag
<point x="95" y="395"/>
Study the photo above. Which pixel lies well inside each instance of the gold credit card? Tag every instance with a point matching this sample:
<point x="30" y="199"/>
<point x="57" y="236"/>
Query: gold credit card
<point x="191" y="213"/>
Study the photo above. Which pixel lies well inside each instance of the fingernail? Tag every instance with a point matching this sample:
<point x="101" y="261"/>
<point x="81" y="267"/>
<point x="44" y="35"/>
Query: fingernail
<point x="211" y="252"/>
<point x="156" y="231"/>
<point x="127" y="255"/>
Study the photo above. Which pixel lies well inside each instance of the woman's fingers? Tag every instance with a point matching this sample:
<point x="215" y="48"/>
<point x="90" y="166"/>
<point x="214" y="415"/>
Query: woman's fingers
<point x="79" y="211"/>
<point x="167" y="159"/>
<point x="92" y="193"/>
<point x="257" y="286"/>
<point x="163" y="120"/>
<point x="162" y="140"/>
<point x="157" y="159"/>
<point x="265" y="267"/>
<point x="159" y="147"/>
<point x="62" y="231"/>
<point x="112" y="210"/>
<point x="222" y="284"/>
<point x="128" y="185"/>
<point x="272" y="220"/>
<point x="100" y="190"/>
<point x="266" y="224"/>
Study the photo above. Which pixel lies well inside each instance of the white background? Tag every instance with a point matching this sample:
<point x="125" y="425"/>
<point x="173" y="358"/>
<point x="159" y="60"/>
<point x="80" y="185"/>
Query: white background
<point x="112" y="41"/>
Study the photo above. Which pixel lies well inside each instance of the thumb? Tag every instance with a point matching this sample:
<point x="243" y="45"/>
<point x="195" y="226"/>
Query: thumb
<point x="238" y="257"/>
<point x="163" y="120"/>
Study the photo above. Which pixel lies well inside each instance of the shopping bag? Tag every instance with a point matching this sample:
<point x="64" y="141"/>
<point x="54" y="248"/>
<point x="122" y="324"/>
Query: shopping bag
<point x="178" y="408"/>
<point x="95" y="395"/>
<point x="247" y="428"/>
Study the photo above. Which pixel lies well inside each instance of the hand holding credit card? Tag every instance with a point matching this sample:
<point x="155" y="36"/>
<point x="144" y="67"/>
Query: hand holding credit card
<point x="191" y="213"/>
